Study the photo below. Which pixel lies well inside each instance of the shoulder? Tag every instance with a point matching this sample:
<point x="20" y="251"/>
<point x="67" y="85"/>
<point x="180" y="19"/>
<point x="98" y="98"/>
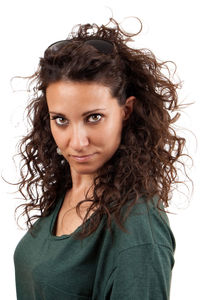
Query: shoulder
<point x="145" y="225"/>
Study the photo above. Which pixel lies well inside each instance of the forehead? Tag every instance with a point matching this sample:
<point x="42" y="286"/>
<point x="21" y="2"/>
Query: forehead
<point x="64" y="93"/>
<point x="70" y="88"/>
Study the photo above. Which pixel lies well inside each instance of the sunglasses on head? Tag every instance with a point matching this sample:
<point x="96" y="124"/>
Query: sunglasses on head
<point x="103" y="46"/>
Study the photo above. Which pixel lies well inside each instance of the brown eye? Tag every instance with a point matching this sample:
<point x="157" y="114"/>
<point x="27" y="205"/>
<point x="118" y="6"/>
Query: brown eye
<point x="95" y="118"/>
<point x="59" y="120"/>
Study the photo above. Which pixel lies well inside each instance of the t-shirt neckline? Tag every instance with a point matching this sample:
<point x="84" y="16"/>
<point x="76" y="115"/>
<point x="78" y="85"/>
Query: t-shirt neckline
<point x="54" y="217"/>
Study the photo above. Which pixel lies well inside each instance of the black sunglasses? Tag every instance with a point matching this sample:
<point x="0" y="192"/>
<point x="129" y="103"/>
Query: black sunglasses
<point x="103" y="46"/>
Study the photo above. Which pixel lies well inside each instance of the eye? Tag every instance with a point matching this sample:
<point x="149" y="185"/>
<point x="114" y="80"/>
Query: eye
<point x="59" y="120"/>
<point x="95" y="117"/>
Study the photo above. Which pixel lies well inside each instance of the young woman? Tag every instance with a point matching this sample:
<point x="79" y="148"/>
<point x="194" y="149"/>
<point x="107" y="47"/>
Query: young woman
<point x="98" y="164"/>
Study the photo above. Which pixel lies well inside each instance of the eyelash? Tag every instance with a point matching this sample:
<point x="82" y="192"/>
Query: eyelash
<point x="59" y="117"/>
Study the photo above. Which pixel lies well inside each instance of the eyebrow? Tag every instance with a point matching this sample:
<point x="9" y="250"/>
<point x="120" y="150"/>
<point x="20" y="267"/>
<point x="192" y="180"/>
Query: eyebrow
<point x="84" y="114"/>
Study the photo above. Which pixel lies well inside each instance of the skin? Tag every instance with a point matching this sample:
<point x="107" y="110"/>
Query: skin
<point x="97" y="133"/>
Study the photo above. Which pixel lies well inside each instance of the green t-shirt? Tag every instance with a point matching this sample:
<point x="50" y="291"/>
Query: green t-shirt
<point x="131" y="266"/>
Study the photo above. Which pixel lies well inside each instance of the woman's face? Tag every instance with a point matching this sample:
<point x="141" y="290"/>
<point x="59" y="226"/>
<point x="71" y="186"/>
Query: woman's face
<point x="85" y="121"/>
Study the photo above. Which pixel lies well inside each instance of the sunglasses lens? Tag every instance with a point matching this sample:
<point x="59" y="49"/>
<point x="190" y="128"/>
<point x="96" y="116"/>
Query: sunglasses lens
<point x="101" y="45"/>
<point x="57" y="45"/>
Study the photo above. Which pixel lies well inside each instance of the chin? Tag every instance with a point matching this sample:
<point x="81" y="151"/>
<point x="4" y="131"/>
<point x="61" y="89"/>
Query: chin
<point x="85" y="169"/>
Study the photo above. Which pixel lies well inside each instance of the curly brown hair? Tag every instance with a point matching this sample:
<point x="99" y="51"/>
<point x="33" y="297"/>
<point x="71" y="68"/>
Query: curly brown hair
<point x="144" y="165"/>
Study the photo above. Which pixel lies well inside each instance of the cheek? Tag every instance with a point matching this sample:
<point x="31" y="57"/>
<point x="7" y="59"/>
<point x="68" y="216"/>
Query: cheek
<point x="110" y="137"/>
<point x="113" y="131"/>
<point x="57" y="135"/>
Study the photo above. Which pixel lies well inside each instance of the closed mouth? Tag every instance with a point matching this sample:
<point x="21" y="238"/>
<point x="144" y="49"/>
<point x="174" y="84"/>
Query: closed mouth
<point x="82" y="156"/>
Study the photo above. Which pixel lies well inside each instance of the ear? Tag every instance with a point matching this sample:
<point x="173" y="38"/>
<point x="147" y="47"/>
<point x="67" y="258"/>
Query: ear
<point x="128" y="107"/>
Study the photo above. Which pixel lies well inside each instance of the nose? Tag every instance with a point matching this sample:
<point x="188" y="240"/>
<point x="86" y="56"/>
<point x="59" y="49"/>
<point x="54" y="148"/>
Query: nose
<point x="78" y="138"/>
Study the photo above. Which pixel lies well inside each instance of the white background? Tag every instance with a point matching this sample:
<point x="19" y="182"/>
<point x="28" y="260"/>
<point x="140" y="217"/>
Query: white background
<point x="171" y="31"/>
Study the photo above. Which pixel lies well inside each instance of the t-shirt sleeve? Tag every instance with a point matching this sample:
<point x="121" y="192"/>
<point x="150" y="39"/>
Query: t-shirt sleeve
<point x="141" y="273"/>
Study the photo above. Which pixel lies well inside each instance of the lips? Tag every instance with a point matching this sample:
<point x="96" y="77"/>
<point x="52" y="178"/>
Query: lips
<point x="83" y="158"/>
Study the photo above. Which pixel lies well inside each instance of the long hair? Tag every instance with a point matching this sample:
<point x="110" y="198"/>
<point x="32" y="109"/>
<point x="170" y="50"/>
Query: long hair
<point x="145" y="163"/>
